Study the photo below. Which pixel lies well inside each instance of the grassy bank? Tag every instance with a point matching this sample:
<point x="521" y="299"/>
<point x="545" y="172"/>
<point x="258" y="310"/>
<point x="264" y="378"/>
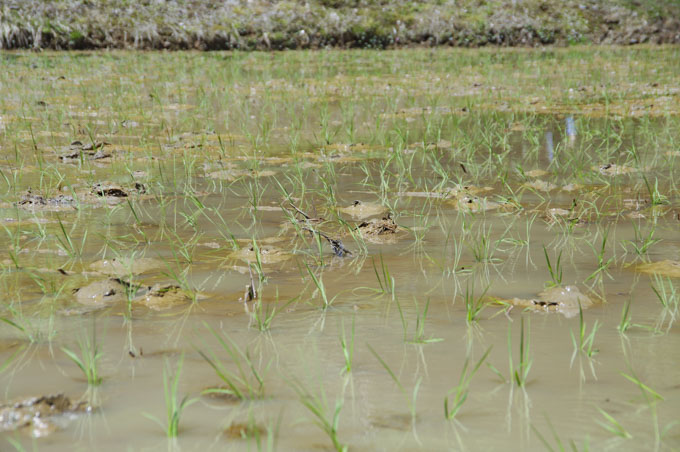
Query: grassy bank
<point x="261" y="24"/>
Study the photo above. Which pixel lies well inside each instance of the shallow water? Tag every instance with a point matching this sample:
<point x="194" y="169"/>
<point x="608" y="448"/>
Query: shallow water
<point x="209" y="155"/>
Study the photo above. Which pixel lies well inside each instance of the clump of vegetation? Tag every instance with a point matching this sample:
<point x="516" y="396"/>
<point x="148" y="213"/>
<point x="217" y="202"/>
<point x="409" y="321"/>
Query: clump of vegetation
<point x="262" y="24"/>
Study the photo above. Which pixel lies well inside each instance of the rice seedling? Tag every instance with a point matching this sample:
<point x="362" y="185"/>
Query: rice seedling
<point x="602" y="264"/>
<point x="460" y="393"/>
<point x="518" y="372"/>
<point x="625" y="322"/>
<point x="667" y="294"/>
<point x="642" y="243"/>
<point x="385" y="280"/>
<point x="327" y="419"/>
<point x="483" y="248"/>
<point x="173" y="405"/>
<point x="419" y="330"/>
<point x="556" y="272"/>
<point x="88" y="359"/>
<point x="655" y="195"/>
<point x="585" y="341"/>
<point x="320" y="288"/>
<point x="473" y="305"/>
<point x="66" y="244"/>
<point x="348" y="346"/>
<point x="247" y="382"/>
<point x="23" y="325"/>
<point x="263" y="314"/>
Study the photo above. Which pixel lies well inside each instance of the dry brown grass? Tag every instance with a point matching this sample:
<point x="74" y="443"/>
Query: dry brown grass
<point x="262" y="24"/>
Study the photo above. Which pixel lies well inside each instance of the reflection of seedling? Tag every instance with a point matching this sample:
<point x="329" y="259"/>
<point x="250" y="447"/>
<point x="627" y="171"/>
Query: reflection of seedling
<point x="612" y="425"/>
<point x="652" y="398"/>
<point x="410" y="400"/>
<point x="460" y="392"/>
<point x="559" y="445"/>
<point x="7" y="362"/>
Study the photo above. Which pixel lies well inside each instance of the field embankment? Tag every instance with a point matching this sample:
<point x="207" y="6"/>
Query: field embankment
<point x="261" y="24"/>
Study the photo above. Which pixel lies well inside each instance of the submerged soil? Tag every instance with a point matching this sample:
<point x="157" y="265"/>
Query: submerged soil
<point x="343" y="243"/>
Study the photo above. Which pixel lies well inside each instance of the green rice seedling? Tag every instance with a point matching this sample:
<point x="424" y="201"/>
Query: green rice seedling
<point x="23" y="325"/>
<point x="667" y="294"/>
<point x="612" y="425"/>
<point x="602" y="264"/>
<point x="247" y="383"/>
<point x="460" y="392"/>
<point x="655" y="195"/>
<point x="473" y="305"/>
<point x="263" y="314"/>
<point x="257" y="265"/>
<point x="625" y="322"/>
<point x="348" y="347"/>
<point x="88" y="360"/>
<point x="173" y="405"/>
<point x="385" y="280"/>
<point x="138" y="221"/>
<point x="14" y="245"/>
<point x="556" y="272"/>
<point x="419" y="332"/>
<point x="482" y="247"/>
<point x="66" y="244"/>
<point x="356" y="236"/>
<point x="518" y="372"/>
<point x="320" y="288"/>
<point x="642" y="243"/>
<point x="179" y="276"/>
<point x="318" y="407"/>
<point x="585" y="342"/>
<point x="410" y="399"/>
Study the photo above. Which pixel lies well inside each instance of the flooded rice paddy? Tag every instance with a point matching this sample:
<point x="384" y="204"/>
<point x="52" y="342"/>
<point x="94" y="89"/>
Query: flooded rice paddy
<point x="408" y="250"/>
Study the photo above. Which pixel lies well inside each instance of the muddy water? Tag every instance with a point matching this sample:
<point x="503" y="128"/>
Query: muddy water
<point x="183" y="191"/>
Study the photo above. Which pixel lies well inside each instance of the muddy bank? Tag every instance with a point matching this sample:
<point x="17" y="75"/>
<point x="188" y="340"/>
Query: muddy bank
<point x="261" y="25"/>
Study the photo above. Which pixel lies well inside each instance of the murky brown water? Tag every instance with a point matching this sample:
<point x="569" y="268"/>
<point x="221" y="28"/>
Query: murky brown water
<point x="189" y="170"/>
